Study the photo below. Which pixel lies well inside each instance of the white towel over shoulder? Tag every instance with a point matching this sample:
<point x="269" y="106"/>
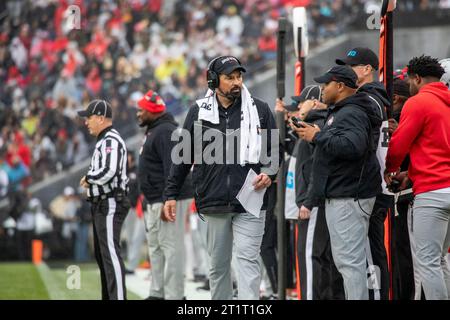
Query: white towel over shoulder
<point x="250" y="148"/>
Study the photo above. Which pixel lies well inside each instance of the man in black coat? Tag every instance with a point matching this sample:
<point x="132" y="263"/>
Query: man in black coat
<point x="346" y="173"/>
<point x="319" y="278"/>
<point x="228" y="111"/>
<point x="165" y="240"/>
<point x="365" y="62"/>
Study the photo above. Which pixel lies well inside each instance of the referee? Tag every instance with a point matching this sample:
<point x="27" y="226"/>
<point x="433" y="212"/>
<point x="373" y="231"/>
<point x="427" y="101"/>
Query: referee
<point x="107" y="183"/>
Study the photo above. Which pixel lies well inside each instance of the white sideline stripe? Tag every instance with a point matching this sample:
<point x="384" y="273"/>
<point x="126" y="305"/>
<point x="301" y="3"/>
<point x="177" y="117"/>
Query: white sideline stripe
<point x="112" y="248"/>
<point x="54" y="290"/>
<point x="308" y="253"/>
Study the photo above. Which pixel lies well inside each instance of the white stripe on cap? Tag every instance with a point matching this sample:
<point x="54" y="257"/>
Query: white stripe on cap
<point x="309" y="91"/>
<point x="95" y="107"/>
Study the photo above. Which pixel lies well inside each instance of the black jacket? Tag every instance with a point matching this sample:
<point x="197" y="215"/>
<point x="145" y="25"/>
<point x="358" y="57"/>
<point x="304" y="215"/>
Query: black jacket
<point x="304" y="161"/>
<point x="133" y="186"/>
<point x="379" y="101"/>
<point x="380" y="104"/>
<point x="217" y="185"/>
<point x="155" y="160"/>
<point x="345" y="164"/>
<point x="378" y="91"/>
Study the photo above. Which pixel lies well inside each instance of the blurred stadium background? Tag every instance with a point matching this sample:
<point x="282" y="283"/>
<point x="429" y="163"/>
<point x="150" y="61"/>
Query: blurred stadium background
<point x="122" y="48"/>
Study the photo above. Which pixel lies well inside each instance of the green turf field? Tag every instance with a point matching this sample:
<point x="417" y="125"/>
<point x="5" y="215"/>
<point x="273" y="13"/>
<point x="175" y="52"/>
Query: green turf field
<point x="25" y="281"/>
<point x="21" y="281"/>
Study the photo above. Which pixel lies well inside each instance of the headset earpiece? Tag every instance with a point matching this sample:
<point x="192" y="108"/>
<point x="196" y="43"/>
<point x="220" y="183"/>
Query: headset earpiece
<point x="212" y="78"/>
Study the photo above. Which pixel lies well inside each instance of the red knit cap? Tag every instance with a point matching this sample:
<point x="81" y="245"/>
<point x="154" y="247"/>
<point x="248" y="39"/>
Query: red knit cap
<point x="152" y="102"/>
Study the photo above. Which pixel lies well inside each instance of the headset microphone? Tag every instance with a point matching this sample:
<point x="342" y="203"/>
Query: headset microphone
<point x="228" y="95"/>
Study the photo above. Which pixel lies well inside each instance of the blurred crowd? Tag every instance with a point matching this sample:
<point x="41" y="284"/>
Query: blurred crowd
<point x="49" y="69"/>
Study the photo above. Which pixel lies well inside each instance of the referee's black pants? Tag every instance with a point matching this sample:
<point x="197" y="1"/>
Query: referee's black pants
<point x="108" y="216"/>
<point x="377" y="255"/>
<point x="402" y="266"/>
<point x="319" y="277"/>
<point x="269" y="250"/>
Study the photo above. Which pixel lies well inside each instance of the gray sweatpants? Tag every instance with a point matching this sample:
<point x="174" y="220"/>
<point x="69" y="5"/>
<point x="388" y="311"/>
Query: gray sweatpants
<point x="349" y="226"/>
<point x="246" y="232"/>
<point x="166" y="251"/>
<point x="412" y="244"/>
<point x="431" y="234"/>
<point x="136" y="237"/>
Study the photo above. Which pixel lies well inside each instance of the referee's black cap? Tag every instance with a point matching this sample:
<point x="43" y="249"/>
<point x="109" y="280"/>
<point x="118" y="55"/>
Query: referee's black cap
<point x="97" y="108"/>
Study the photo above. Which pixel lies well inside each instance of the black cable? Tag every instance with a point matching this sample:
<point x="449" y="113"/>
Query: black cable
<point x="369" y="148"/>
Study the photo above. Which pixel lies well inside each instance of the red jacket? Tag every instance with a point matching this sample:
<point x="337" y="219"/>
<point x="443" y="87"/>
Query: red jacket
<point x="424" y="132"/>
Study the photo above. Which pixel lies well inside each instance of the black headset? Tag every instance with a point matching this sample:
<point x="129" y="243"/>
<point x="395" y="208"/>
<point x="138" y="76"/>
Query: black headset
<point x="212" y="77"/>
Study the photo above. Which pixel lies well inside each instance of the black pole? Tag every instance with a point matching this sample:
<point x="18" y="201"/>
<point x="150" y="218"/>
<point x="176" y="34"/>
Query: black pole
<point x="301" y="60"/>
<point x="281" y="178"/>
<point x="281" y="57"/>
<point x="387" y="49"/>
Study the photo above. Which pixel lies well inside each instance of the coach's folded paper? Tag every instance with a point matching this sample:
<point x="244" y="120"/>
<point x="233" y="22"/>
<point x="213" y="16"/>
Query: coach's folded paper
<point x="251" y="199"/>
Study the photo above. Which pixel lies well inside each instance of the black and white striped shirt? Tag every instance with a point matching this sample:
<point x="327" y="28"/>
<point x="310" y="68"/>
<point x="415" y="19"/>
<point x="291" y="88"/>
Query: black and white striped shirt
<point x="108" y="168"/>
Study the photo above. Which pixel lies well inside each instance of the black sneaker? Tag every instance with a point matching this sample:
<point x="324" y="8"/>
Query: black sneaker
<point x="205" y="286"/>
<point x="128" y="271"/>
<point x="235" y="290"/>
<point x="271" y="297"/>
<point x="200" y="278"/>
<point x="153" y="298"/>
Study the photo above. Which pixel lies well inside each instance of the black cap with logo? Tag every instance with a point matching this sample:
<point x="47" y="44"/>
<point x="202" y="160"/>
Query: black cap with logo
<point x="343" y="74"/>
<point x="360" y="56"/>
<point x="97" y="108"/>
<point x="227" y="64"/>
